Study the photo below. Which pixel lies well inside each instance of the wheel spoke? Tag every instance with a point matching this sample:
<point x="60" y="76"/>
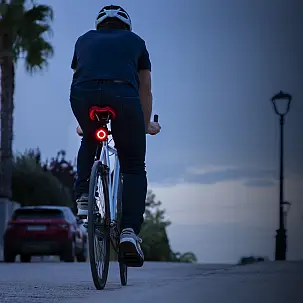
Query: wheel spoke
<point x="98" y="229"/>
<point x="98" y="252"/>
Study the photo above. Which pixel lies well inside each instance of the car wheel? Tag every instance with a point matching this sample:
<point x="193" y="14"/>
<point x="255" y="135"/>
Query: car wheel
<point x="69" y="253"/>
<point x="82" y="256"/>
<point x="25" y="258"/>
<point x="9" y="257"/>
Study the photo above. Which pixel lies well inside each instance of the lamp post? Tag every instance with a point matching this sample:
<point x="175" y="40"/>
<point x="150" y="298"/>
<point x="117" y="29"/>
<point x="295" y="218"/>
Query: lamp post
<point x="281" y="103"/>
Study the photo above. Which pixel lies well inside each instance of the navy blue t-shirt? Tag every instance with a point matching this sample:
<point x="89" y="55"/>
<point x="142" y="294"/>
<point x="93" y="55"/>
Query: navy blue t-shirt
<point x="109" y="54"/>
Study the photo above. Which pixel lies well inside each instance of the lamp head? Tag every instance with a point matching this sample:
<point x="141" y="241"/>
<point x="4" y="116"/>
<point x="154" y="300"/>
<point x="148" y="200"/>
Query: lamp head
<point x="281" y="103"/>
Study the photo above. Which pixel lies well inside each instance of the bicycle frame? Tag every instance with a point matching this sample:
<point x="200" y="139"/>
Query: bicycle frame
<point x="103" y="156"/>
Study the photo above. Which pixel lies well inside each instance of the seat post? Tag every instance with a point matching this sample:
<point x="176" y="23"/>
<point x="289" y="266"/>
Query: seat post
<point x="97" y="117"/>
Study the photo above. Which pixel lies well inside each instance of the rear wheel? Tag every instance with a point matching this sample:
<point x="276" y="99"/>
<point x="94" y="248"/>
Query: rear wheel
<point x="69" y="252"/>
<point x="123" y="273"/>
<point x="8" y="256"/>
<point x="99" y="224"/>
<point x="122" y="266"/>
<point x="82" y="256"/>
<point x="25" y="258"/>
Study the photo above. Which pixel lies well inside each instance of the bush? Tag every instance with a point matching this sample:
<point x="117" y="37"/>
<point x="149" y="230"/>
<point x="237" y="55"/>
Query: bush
<point x="155" y="244"/>
<point x="32" y="185"/>
<point x="251" y="260"/>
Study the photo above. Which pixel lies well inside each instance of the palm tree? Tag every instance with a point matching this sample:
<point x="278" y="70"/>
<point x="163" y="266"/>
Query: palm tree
<point x="23" y="26"/>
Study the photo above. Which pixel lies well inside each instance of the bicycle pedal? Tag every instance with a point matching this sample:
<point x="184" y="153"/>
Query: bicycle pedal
<point x="82" y="217"/>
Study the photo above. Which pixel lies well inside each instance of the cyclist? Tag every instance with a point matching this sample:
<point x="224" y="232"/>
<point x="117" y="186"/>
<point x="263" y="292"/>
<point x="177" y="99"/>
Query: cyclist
<point x="112" y="68"/>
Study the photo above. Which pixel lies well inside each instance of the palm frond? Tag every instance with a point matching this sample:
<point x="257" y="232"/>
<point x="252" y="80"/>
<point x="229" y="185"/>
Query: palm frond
<point x="37" y="54"/>
<point x="37" y="18"/>
<point x="26" y="35"/>
<point x="3" y="9"/>
<point x="17" y="2"/>
<point x="41" y="13"/>
<point x="12" y="12"/>
<point x="27" y="29"/>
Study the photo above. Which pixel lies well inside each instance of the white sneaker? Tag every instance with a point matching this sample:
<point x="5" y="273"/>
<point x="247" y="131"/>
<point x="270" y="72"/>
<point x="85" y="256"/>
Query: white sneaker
<point x="130" y="249"/>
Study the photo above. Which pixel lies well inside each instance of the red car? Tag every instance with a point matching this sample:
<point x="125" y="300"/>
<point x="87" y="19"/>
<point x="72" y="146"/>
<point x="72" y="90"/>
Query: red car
<point x="44" y="230"/>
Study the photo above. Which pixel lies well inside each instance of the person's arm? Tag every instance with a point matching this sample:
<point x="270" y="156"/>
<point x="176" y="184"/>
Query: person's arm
<point x="146" y="97"/>
<point x="144" y="74"/>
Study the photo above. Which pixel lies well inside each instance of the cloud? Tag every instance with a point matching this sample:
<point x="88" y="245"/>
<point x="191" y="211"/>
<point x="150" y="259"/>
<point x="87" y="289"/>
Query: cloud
<point x="250" y="177"/>
<point x="226" y="202"/>
<point x="259" y="183"/>
<point x="214" y="176"/>
<point x="229" y="202"/>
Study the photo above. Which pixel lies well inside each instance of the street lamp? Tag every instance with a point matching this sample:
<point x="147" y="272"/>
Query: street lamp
<point x="281" y="103"/>
<point x="286" y="209"/>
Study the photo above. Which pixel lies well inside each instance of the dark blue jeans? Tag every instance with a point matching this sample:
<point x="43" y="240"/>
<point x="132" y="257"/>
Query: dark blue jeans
<point x="128" y="131"/>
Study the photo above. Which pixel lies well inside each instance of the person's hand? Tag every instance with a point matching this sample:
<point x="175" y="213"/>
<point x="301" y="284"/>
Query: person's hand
<point x="79" y="131"/>
<point x="153" y="128"/>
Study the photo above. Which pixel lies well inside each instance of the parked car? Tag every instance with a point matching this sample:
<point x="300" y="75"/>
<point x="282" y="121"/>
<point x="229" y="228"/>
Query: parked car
<point x="84" y="236"/>
<point x="44" y="230"/>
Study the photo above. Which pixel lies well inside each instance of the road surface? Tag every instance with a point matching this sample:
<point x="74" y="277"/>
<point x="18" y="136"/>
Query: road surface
<point x="52" y="282"/>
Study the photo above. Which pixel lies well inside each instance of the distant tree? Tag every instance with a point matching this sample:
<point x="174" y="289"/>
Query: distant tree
<point x="64" y="171"/>
<point x="23" y="30"/>
<point x="32" y="185"/>
<point x="251" y="259"/>
<point x="187" y="257"/>
<point x="155" y="245"/>
<point x="153" y="212"/>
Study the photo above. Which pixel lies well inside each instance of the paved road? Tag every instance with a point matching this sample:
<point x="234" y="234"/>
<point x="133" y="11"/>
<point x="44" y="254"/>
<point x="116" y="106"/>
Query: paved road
<point x="155" y="282"/>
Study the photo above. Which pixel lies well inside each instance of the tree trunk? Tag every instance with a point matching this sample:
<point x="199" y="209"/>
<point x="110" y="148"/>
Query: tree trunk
<point x="7" y="108"/>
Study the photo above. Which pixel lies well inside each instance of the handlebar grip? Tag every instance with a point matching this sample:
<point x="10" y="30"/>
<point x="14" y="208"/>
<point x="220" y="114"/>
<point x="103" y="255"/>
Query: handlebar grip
<point x="156" y="118"/>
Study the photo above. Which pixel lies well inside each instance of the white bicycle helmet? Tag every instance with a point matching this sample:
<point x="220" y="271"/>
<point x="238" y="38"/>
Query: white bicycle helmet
<point x="114" y="11"/>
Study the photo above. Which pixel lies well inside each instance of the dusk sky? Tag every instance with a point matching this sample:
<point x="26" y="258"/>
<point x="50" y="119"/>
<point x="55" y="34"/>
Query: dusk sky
<point x="215" y="66"/>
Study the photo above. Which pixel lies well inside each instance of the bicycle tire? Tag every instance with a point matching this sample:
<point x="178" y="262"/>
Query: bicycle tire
<point x="99" y="280"/>
<point x="122" y="267"/>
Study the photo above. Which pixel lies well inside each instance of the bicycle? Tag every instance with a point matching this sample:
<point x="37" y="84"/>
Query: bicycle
<point x="104" y="227"/>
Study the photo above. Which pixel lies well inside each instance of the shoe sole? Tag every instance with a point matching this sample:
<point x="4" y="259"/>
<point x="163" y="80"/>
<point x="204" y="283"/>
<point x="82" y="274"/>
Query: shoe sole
<point x="129" y="254"/>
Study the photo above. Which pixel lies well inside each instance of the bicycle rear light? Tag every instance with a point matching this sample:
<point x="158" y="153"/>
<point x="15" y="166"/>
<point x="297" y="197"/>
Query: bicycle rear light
<point x="101" y="134"/>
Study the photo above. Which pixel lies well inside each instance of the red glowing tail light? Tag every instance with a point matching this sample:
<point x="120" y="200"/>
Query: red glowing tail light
<point x="101" y="134"/>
